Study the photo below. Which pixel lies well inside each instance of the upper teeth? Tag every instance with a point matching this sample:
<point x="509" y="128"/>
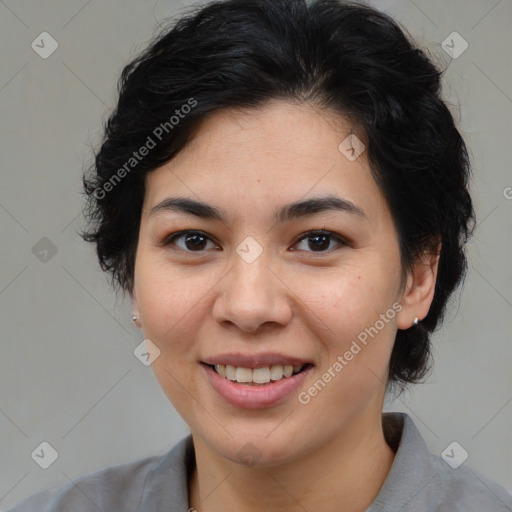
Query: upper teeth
<point x="258" y="375"/>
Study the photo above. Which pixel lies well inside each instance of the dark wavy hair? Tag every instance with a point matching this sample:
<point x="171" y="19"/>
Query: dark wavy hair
<point x="345" y="57"/>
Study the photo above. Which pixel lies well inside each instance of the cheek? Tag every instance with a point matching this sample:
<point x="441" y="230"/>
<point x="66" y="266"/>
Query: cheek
<point x="170" y="304"/>
<point x="179" y="386"/>
<point x="357" y="308"/>
<point x="362" y="327"/>
<point x="170" y="299"/>
<point x="348" y="300"/>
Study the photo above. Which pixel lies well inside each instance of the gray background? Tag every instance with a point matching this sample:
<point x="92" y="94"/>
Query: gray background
<point x="68" y="375"/>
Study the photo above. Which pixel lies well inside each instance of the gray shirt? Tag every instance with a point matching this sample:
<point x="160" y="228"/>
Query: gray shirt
<point x="417" y="482"/>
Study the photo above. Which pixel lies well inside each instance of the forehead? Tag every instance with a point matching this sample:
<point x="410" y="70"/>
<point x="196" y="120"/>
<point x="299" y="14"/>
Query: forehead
<point x="261" y="157"/>
<point x="276" y="128"/>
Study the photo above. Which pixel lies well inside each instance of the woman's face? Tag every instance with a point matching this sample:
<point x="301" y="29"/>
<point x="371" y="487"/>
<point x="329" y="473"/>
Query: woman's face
<point x="254" y="290"/>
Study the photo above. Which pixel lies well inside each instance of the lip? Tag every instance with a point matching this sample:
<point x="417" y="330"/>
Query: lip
<point x="245" y="396"/>
<point x="255" y="361"/>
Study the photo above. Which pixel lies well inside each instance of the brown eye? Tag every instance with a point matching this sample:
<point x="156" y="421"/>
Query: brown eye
<point x="319" y="241"/>
<point x="192" y="241"/>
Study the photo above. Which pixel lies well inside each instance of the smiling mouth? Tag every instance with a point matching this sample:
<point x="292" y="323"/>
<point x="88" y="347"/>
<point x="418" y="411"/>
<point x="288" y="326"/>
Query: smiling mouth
<point x="262" y="376"/>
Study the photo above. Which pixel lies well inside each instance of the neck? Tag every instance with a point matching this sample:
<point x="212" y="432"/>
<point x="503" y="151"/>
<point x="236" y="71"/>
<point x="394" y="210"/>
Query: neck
<point x="345" y="474"/>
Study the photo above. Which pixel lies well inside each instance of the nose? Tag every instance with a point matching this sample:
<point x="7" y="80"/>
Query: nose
<point x="252" y="295"/>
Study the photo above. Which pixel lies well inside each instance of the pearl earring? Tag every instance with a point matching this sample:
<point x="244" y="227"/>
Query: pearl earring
<point x="134" y="317"/>
<point x="416" y="320"/>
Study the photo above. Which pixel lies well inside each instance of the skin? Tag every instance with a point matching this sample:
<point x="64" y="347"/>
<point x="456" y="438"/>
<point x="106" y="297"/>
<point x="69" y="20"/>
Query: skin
<point x="295" y="299"/>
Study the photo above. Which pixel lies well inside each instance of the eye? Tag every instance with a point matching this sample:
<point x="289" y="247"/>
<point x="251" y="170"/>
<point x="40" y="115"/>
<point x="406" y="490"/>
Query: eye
<point x="197" y="241"/>
<point x="193" y="241"/>
<point x="320" y="240"/>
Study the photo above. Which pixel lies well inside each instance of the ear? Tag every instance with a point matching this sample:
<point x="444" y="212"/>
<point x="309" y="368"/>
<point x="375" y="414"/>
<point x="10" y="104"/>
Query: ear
<point x="419" y="290"/>
<point x="135" y="308"/>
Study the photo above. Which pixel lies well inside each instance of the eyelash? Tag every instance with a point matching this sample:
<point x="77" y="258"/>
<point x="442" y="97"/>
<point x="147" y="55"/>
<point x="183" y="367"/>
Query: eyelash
<point x="170" y="239"/>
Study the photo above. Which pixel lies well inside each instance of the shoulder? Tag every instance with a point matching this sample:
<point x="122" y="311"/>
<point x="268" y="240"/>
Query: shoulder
<point x="422" y="482"/>
<point x="466" y="489"/>
<point x="119" y="487"/>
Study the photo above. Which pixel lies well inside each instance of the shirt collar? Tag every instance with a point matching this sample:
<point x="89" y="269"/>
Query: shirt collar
<point x="166" y="486"/>
<point x="412" y="470"/>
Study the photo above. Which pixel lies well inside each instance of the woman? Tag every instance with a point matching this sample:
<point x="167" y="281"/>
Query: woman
<point x="284" y="196"/>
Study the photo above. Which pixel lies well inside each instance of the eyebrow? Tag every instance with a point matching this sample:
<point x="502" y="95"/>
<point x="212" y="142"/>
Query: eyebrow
<point x="286" y="213"/>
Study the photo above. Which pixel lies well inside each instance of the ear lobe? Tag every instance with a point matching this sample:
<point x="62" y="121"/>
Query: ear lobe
<point x="419" y="290"/>
<point x="135" y="309"/>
